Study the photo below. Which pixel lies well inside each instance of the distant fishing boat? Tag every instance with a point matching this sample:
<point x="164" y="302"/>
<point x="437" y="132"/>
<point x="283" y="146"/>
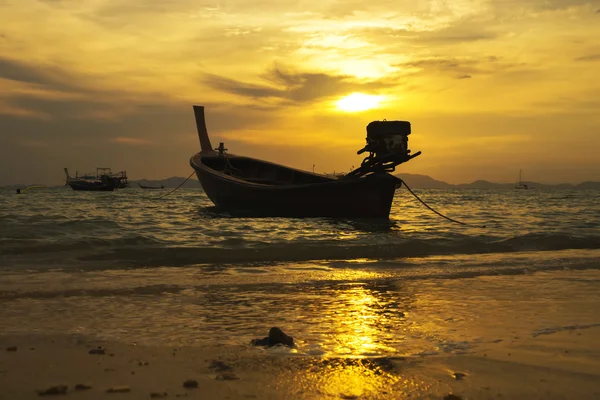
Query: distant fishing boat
<point x="150" y="187"/>
<point x="248" y="186"/>
<point x="520" y="184"/>
<point x="103" y="181"/>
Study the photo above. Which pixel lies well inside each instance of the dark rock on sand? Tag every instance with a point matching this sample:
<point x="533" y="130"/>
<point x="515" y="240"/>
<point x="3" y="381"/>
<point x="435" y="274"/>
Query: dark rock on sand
<point x="82" y="386"/>
<point x="118" y="389"/>
<point x="220" y="366"/>
<point x="452" y="397"/>
<point x="158" y="395"/>
<point x="98" y="350"/>
<point x="227" y="376"/>
<point x="260" y="342"/>
<point x="11" y="348"/>
<point x="276" y="336"/>
<point x="459" y="376"/>
<point x="190" y="384"/>
<point x="53" y="390"/>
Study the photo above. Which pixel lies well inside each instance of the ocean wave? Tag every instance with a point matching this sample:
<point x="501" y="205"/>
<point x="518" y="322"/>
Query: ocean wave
<point x="27" y="247"/>
<point x="141" y="254"/>
<point x="137" y="250"/>
<point x="550" y="331"/>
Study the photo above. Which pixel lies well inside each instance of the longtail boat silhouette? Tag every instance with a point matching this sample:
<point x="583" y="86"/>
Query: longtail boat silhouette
<point x="150" y="187"/>
<point x="252" y="187"/>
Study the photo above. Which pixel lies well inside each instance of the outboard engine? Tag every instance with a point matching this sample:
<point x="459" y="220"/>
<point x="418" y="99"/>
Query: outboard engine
<point x="387" y="144"/>
<point x="387" y="137"/>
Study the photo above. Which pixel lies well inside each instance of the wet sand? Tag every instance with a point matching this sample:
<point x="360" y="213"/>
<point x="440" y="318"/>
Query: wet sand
<point x="547" y="366"/>
<point x="473" y="328"/>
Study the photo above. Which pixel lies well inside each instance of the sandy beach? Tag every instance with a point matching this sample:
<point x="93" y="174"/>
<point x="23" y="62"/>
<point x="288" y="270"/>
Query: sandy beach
<point x="508" y="336"/>
<point x="534" y="368"/>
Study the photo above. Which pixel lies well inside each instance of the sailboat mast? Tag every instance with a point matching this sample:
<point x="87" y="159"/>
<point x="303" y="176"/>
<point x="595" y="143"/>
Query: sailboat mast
<point x="520" y="176"/>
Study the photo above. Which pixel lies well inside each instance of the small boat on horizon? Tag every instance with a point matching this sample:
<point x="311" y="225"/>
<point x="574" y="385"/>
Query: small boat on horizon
<point x="103" y="181"/>
<point x="251" y="187"/>
<point x="150" y="187"/>
<point x="520" y="184"/>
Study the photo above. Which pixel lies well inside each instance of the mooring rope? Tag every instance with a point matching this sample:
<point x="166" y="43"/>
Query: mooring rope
<point x="438" y="213"/>
<point x="407" y="187"/>
<point x="180" y="185"/>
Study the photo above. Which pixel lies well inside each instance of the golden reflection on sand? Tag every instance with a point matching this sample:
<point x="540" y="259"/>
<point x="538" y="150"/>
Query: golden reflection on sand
<point x="357" y="326"/>
<point x="352" y="378"/>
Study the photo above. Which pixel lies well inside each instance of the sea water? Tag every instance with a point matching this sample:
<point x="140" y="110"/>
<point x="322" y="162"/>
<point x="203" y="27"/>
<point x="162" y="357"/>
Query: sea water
<point x="134" y="266"/>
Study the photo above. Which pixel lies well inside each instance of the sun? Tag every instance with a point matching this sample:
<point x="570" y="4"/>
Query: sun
<point x="355" y="102"/>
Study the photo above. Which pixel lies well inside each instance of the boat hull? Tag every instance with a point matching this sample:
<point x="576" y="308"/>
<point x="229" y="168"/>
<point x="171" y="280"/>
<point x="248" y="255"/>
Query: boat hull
<point x="366" y="197"/>
<point x="91" y="186"/>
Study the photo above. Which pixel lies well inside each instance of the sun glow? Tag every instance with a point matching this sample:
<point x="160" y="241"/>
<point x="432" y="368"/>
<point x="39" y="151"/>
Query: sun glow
<point x="358" y="102"/>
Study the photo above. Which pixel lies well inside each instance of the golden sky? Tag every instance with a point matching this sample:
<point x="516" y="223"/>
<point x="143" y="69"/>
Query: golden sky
<point x="490" y="87"/>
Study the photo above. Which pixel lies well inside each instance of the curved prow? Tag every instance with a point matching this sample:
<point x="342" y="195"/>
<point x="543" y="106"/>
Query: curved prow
<point x="67" y="174"/>
<point x="201" y="126"/>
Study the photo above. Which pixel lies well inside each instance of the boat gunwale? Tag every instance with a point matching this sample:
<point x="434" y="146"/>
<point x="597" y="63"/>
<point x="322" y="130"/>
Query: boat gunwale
<point x="233" y="179"/>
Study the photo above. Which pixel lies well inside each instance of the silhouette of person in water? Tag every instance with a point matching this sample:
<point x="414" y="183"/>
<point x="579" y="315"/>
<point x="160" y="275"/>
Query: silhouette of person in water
<point x="18" y="191"/>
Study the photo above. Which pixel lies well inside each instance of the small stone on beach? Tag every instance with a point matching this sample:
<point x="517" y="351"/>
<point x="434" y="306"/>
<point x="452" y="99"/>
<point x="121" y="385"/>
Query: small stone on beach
<point x="53" y="390"/>
<point x="98" y="350"/>
<point x="452" y="397"/>
<point x="158" y="395"/>
<point x="220" y="366"/>
<point x="190" y="384"/>
<point x="276" y="336"/>
<point x="11" y="348"/>
<point x="82" y="386"/>
<point x="227" y="376"/>
<point x="459" y="376"/>
<point x="118" y="389"/>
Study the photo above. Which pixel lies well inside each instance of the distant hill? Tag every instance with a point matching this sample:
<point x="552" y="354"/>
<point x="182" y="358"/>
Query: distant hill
<point x="423" y="182"/>
<point x="588" y="185"/>
<point x="417" y="181"/>
<point x="171" y="182"/>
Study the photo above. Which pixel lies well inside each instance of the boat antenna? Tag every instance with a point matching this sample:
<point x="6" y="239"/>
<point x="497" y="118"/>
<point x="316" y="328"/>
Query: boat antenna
<point x="201" y="126"/>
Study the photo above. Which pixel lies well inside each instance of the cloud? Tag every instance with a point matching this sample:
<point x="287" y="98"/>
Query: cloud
<point x="452" y="36"/>
<point x="38" y="74"/>
<point x="295" y="87"/>
<point x="33" y="143"/>
<point x="555" y="4"/>
<point x="131" y="141"/>
<point x="591" y="57"/>
<point x="461" y="67"/>
<point x="241" y="88"/>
